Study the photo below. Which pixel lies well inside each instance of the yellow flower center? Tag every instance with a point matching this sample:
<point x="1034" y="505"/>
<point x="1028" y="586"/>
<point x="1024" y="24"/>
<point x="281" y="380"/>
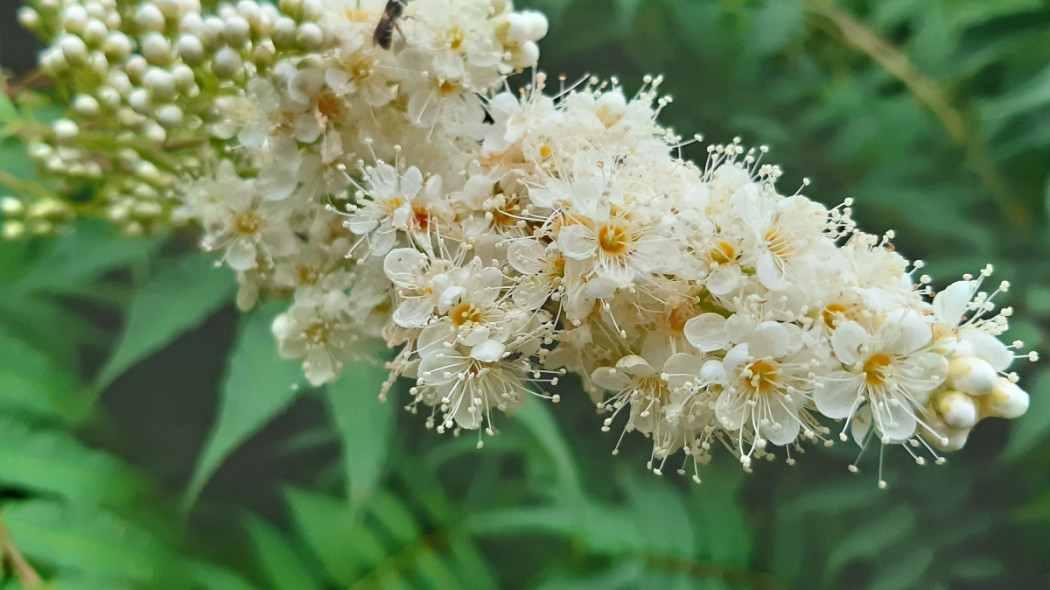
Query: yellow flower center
<point x="247" y="223"/>
<point x="612" y="239"/>
<point x="875" y="369"/>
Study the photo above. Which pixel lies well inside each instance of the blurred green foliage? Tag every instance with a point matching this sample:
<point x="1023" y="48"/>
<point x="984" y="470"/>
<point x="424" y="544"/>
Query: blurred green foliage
<point x="150" y="438"/>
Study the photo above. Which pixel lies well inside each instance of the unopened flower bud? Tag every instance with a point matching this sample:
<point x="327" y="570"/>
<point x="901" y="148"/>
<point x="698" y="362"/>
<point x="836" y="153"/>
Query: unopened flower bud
<point x="956" y="409"/>
<point x="227" y="63"/>
<point x="284" y="31"/>
<point x="1007" y="400"/>
<point x="516" y="28"/>
<point x="65" y="130"/>
<point x="313" y="9"/>
<point x="160" y="83"/>
<point x="191" y="23"/>
<point x="537" y="23"/>
<point x="11" y="207"/>
<point x="136" y="67"/>
<point x="28" y="18"/>
<point x="169" y="116"/>
<point x="154" y="133"/>
<point x="86" y="105"/>
<point x="156" y="49"/>
<point x="95" y="33"/>
<point x="12" y="230"/>
<point x="213" y="32"/>
<point x="972" y="374"/>
<point x="73" y="49"/>
<point x="74" y="17"/>
<point x="149" y="18"/>
<point x="238" y="31"/>
<point x="310" y="36"/>
<point x="140" y="101"/>
<point x="524" y="55"/>
<point x="190" y="49"/>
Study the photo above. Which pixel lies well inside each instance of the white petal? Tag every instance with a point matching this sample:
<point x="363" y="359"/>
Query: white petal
<point x="837" y="393"/>
<point x="488" y="351"/>
<point x="414" y="312"/>
<point x="635" y="366"/>
<point x="577" y="242"/>
<point x="611" y="379"/>
<point x="706" y="332"/>
<point x="950" y="304"/>
<point x="847" y="340"/>
<point x="402" y="266"/>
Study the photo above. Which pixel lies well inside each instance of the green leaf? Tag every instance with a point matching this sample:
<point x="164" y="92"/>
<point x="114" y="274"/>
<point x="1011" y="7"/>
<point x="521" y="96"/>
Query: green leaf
<point x="278" y="559"/>
<point x="868" y="539"/>
<point x="1029" y="430"/>
<point x="1030" y="96"/>
<point x="33" y="383"/>
<point x="183" y="294"/>
<point x="365" y="424"/>
<point x="774" y="25"/>
<point x="256" y="388"/>
<point x="904" y="572"/>
<point x="658" y="509"/>
<point x="87" y="253"/>
<point x="212" y="577"/>
<point x="536" y="417"/>
<point x="343" y="545"/>
<point x="90" y="541"/>
<point x="55" y="462"/>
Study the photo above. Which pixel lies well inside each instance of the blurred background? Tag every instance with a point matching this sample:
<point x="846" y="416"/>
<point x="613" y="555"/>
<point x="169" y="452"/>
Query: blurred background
<point x="148" y="438"/>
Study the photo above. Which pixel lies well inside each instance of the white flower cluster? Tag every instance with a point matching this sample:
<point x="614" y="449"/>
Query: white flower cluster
<point x="503" y="239"/>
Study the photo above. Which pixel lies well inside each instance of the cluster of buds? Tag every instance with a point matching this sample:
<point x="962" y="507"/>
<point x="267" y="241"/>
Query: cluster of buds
<point x="368" y="159"/>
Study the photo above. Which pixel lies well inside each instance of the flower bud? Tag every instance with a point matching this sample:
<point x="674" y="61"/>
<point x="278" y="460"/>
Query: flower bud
<point x="28" y="18"/>
<point x="227" y="63"/>
<point x="149" y="18"/>
<point x="135" y="67"/>
<point x="1007" y="400"/>
<point x="120" y="82"/>
<point x="108" y="96"/>
<point x="156" y="49"/>
<point x="538" y="24"/>
<point x="140" y="101"/>
<point x="185" y="79"/>
<point x="191" y="23"/>
<point x="65" y="130"/>
<point x="95" y="33"/>
<point x="284" y="31"/>
<point x="160" y="83"/>
<point x="524" y="55"/>
<point x="86" y="105"/>
<point x="11" y="207"/>
<point x="213" y="32"/>
<point x="971" y="374"/>
<point x="514" y="29"/>
<point x="956" y="409"/>
<point x="12" y="230"/>
<point x="310" y="36"/>
<point x="73" y="49"/>
<point x="169" y="116"/>
<point x="313" y="10"/>
<point x="74" y="18"/>
<point x="238" y="31"/>
<point x="154" y="133"/>
<point x="190" y="49"/>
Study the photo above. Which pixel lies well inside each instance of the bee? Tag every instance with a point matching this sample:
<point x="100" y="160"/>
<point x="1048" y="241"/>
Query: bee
<point x="384" y="34"/>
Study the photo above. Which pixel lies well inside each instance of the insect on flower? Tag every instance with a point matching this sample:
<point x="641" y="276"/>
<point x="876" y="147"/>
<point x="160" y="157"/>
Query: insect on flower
<point x="384" y="33"/>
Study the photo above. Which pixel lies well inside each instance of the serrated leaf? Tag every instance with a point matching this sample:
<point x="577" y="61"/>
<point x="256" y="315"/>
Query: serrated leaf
<point x="365" y="425"/>
<point x="256" y="388"/>
<point x="278" y="560"/>
<point x="183" y="294"/>
<point x="55" y="462"/>
<point x="88" y="540"/>
<point x="32" y="383"/>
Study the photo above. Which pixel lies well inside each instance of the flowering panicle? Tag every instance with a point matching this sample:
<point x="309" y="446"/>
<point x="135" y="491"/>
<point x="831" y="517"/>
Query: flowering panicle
<point x="503" y="239"/>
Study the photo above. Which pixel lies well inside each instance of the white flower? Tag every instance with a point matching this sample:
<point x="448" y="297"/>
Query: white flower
<point x="888" y="368"/>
